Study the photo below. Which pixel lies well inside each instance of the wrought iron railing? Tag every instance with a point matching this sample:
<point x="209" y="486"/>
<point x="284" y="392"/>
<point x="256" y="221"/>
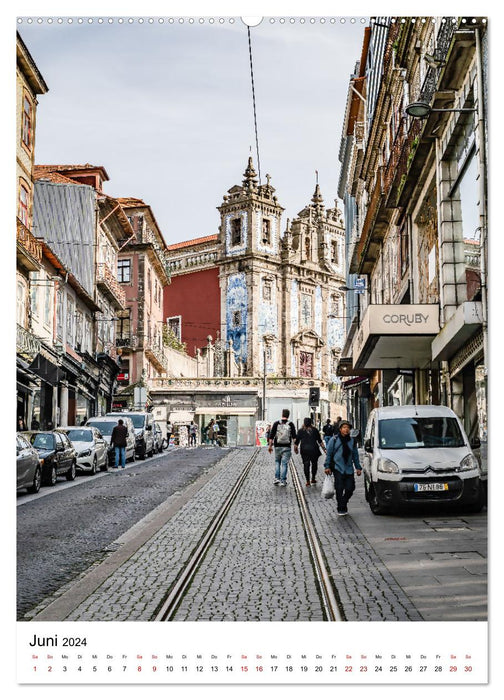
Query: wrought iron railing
<point x="409" y="129"/>
<point x="105" y="276"/>
<point x="26" y="343"/>
<point x="28" y="241"/>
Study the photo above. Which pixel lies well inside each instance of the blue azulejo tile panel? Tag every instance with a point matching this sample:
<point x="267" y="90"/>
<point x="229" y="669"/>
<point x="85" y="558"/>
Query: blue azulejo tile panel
<point x="236" y="314"/>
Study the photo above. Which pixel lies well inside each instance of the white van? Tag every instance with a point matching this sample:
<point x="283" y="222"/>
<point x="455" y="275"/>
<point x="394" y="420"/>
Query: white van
<point x="419" y="455"/>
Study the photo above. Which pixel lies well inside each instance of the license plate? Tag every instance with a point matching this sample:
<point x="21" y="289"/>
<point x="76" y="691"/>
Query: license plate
<point x="431" y="487"/>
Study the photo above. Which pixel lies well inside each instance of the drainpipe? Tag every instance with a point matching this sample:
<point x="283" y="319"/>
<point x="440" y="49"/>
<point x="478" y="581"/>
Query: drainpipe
<point x="483" y="195"/>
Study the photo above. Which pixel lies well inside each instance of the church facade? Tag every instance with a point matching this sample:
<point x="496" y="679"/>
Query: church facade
<point x="273" y="299"/>
<point x="280" y="297"/>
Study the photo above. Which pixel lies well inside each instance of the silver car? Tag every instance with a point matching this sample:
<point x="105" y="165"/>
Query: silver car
<point x="91" y="448"/>
<point x="29" y="472"/>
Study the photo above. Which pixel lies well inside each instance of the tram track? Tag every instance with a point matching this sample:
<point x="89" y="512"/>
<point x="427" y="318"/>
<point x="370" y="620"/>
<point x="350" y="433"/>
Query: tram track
<point x="328" y="598"/>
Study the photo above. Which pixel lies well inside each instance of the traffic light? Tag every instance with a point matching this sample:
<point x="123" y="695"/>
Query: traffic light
<point x="314" y="397"/>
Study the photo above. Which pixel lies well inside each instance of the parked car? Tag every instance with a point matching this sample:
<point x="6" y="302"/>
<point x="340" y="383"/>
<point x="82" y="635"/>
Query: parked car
<point x="105" y="424"/>
<point x="159" y="440"/>
<point x="144" y="435"/>
<point x="419" y="455"/>
<point x="56" y="453"/>
<point x="91" y="448"/>
<point x="29" y="471"/>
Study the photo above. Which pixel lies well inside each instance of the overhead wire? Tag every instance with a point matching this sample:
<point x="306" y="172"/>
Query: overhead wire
<point x="254" y="104"/>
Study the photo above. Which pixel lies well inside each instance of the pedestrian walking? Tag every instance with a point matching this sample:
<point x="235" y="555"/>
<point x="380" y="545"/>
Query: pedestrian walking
<point x="328" y="431"/>
<point x="118" y="441"/>
<point x="21" y="425"/>
<point x="193" y="431"/>
<point x="310" y="444"/>
<point x="341" y="457"/>
<point x="169" y="432"/>
<point x="282" y="433"/>
<point x="212" y="432"/>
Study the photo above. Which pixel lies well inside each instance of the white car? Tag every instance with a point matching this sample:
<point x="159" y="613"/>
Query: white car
<point x="91" y="448"/>
<point x="419" y="455"/>
<point x="105" y="424"/>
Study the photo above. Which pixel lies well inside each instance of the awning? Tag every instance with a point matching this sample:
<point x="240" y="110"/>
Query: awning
<point x="181" y="416"/>
<point x="46" y="370"/>
<point x="226" y="410"/>
<point x="393" y="336"/>
<point x="354" y="382"/>
<point x="464" y="323"/>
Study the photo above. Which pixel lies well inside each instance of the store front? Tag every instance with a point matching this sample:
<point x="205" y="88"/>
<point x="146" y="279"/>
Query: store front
<point x="236" y="425"/>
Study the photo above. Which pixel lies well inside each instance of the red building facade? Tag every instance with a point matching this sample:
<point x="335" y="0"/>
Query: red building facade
<point x="195" y="289"/>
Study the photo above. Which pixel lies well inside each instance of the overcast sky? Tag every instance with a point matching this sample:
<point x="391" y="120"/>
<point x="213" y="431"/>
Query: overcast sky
<point x="167" y="108"/>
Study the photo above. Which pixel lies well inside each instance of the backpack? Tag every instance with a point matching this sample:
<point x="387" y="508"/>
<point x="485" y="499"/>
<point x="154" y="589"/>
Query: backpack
<point x="283" y="433"/>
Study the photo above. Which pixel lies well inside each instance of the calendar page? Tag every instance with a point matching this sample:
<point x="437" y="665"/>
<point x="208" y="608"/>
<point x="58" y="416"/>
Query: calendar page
<point x="252" y="347"/>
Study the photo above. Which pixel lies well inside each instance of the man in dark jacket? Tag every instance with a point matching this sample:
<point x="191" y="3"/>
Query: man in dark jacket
<point x="282" y="433"/>
<point x="118" y="441"/>
<point x="341" y="457"/>
<point x="328" y="431"/>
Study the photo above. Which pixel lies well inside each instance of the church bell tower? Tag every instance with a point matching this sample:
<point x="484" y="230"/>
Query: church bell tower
<point x="250" y="276"/>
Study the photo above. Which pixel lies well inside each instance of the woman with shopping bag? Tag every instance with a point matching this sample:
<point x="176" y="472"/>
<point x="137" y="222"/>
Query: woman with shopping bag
<point x="342" y="456"/>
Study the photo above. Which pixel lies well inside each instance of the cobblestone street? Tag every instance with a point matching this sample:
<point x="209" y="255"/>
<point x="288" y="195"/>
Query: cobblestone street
<point x="259" y="565"/>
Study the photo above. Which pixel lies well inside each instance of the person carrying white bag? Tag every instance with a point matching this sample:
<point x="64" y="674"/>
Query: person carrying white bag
<point x="342" y="455"/>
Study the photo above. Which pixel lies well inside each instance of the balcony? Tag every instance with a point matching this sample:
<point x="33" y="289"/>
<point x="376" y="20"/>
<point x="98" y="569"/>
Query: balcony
<point x="155" y="354"/>
<point x="28" y="249"/>
<point x="109" y="286"/>
<point x="363" y="253"/>
<point x="27" y="345"/>
<point x="128" y="343"/>
<point x="408" y="140"/>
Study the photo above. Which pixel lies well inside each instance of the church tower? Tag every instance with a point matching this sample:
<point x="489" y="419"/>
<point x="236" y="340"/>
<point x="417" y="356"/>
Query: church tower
<point x="314" y="269"/>
<point x="249" y="257"/>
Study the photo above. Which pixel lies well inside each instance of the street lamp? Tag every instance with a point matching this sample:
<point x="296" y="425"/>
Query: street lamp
<point x="267" y="339"/>
<point x="421" y="110"/>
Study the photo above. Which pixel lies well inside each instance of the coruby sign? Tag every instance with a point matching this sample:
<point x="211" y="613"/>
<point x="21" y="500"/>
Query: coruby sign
<point x="396" y="319"/>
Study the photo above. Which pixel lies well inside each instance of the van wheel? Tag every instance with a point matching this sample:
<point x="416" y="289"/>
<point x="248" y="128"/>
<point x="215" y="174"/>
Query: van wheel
<point x="374" y="505"/>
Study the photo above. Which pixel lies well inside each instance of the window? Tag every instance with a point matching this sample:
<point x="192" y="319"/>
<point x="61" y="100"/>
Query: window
<point x="21" y="304"/>
<point x="23" y="205"/>
<point x="267" y="290"/>
<point x="236" y="319"/>
<point x="59" y="314"/>
<point x="79" y="322"/>
<point x="266" y="231"/>
<point x="236" y="234"/>
<point x="124" y="271"/>
<point x="26" y="132"/>
<point x="305" y="364"/>
<point x="70" y="318"/>
<point x="175" y="325"/>
<point x="34" y="298"/>
<point x="123" y="328"/>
